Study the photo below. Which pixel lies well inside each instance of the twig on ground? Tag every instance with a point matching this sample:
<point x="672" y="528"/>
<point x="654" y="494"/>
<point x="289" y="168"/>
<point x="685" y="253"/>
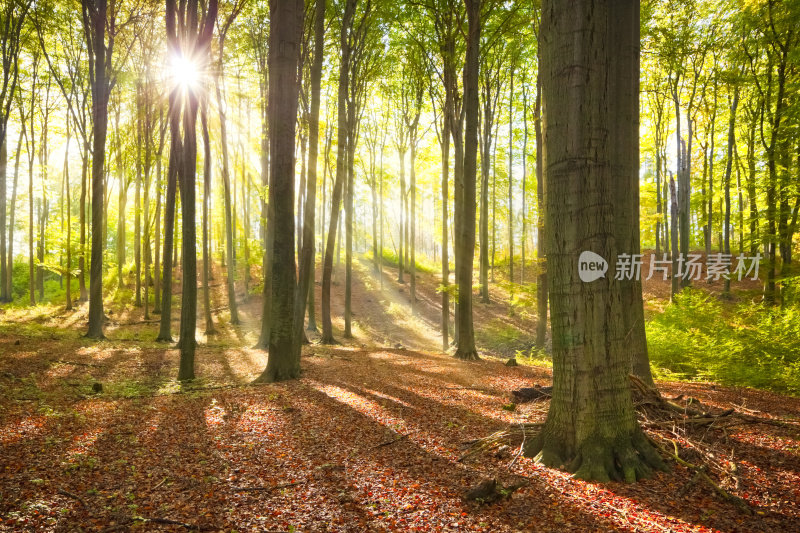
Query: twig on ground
<point x="388" y="442"/>
<point x="74" y="497"/>
<point x="267" y="489"/>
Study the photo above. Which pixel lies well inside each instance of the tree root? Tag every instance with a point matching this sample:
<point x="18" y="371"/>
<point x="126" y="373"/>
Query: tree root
<point x="468" y="355"/>
<point x="626" y="458"/>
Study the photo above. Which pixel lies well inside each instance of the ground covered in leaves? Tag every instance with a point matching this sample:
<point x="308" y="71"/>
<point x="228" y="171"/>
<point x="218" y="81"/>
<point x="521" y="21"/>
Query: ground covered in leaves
<point x="372" y="438"/>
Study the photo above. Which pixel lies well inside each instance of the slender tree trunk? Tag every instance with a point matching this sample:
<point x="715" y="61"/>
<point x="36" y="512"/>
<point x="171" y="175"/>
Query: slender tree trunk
<point x="12" y="216"/>
<point x="137" y="207"/>
<point x="541" y="227"/>
<point x="68" y="200"/>
<point x="284" y="50"/>
<point x="173" y="167"/>
<point x="524" y="177"/>
<point x="226" y="184"/>
<point x="465" y="241"/>
<point x="401" y="153"/>
<point x="728" y="170"/>
<point x="5" y="266"/>
<point x="31" y="158"/>
<point x="673" y="219"/>
<point x="157" y="243"/>
<point x="511" y="182"/>
<point x="336" y="196"/>
<point x="83" y="292"/>
<point x="206" y="215"/>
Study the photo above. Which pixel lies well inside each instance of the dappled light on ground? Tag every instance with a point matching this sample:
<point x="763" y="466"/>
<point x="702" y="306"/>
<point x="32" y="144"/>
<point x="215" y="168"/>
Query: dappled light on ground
<point x="372" y="438"/>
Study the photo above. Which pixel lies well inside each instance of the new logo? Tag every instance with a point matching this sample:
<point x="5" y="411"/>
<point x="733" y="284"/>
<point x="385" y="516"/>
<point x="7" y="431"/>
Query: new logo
<point x="591" y="266"/>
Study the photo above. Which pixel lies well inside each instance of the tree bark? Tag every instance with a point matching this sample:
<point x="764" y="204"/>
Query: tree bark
<point x="591" y="427"/>
<point x="286" y="26"/>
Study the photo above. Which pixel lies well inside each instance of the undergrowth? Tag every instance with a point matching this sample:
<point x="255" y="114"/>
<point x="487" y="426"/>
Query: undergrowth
<point x="697" y="338"/>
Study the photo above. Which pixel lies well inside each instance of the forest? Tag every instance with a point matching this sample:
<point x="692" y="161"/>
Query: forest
<point x="413" y="265"/>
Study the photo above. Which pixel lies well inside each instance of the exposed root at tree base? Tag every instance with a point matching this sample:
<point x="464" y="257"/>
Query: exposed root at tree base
<point x="626" y="458"/>
<point x="467" y="355"/>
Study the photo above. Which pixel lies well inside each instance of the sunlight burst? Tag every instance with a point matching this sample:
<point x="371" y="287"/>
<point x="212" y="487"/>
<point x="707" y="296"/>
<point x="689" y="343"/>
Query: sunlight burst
<point x="184" y="72"/>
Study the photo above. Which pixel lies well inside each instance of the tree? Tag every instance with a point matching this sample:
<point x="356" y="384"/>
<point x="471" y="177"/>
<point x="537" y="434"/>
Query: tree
<point x="341" y="169"/>
<point x="96" y="18"/>
<point x="223" y="26"/>
<point x="286" y="29"/>
<point x="189" y="35"/>
<point x="465" y="188"/>
<point x="306" y="270"/>
<point x="12" y="19"/>
<point x="589" y="62"/>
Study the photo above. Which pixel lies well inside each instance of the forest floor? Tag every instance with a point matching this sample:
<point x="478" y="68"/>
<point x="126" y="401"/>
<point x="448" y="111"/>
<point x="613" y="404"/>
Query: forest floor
<point x="371" y="438"/>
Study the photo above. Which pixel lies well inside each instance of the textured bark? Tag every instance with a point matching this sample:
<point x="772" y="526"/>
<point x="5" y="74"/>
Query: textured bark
<point x="591" y="427"/>
<point x="286" y="26"/>
<point x="623" y="131"/>
<point x="465" y="232"/>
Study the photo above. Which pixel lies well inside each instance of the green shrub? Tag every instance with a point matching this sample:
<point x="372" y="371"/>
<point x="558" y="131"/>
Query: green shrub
<point x="745" y="345"/>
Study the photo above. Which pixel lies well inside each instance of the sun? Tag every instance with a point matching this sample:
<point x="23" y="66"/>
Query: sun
<point x="183" y="72"/>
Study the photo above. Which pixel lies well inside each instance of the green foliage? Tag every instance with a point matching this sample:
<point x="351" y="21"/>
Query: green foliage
<point x="390" y="259"/>
<point x="745" y="345"/>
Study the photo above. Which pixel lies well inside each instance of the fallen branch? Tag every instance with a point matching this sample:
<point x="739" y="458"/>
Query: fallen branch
<point x="74" y="497"/>
<point x="267" y="489"/>
<point x="388" y="442"/>
<point x="700" y="473"/>
<point x="170" y="522"/>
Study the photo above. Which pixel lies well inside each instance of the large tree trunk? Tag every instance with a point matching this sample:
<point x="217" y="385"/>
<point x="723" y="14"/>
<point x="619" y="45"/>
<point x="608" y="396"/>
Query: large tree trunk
<point x="341" y="169"/>
<point x="286" y="23"/>
<point x="591" y="427"/>
<point x="465" y="183"/>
